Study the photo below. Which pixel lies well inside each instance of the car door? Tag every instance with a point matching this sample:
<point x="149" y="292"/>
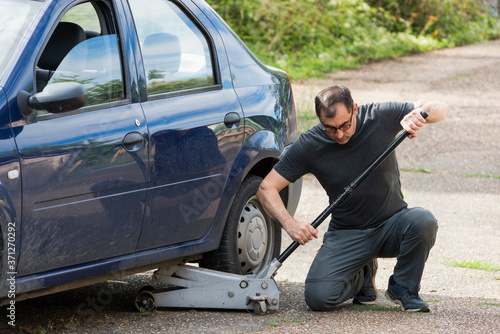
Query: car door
<point x="195" y="122"/>
<point x="84" y="172"/>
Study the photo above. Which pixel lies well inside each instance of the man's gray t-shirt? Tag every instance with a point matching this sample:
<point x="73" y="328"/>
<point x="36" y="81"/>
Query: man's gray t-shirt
<point x="335" y="166"/>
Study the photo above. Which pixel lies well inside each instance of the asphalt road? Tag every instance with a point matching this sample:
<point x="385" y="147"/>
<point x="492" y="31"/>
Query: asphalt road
<point x="462" y="300"/>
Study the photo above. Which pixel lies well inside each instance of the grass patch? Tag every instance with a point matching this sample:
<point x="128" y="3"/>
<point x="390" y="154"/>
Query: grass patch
<point x="481" y="175"/>
<point x="273" y="323"/>
<point x="476" y="264"/>
<point x="375" y="308"/>
<point x="416" y="170"/>
<point x="277" y="322"/>
<point x="476" y="276"/>
<point x="465" y="75"/>
<point x="307" y="117"/>
<point x="304" y="105"/>
<point x="433" y="301"/>
<point x="306" y="121"/>
<point x="488" y="304"/>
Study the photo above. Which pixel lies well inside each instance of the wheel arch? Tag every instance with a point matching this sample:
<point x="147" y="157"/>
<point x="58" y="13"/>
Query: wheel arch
<point x="257" y="156"/>
<point x="264" y="162"/>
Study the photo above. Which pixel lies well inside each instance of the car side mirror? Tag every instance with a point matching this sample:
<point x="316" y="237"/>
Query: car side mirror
<point x="55" y="98"/>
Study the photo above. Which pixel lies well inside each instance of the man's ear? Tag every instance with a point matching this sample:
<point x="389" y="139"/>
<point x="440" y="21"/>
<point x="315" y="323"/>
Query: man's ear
<point x="355" y="109"/>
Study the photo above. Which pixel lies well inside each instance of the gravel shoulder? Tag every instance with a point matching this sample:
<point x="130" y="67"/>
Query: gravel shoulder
<point x="467" y="208"/>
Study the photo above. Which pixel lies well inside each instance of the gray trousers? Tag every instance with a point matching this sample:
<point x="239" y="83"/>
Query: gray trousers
<point x="336" y="273"/>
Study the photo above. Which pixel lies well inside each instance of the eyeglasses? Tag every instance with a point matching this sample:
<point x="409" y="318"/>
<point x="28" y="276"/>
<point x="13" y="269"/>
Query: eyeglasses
<point x="344" y="127"/>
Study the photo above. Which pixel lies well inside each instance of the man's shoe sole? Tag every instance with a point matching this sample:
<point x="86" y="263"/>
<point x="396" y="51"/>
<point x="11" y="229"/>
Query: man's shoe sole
<point x="397" y="301"/>
<point x="359" y="302"/>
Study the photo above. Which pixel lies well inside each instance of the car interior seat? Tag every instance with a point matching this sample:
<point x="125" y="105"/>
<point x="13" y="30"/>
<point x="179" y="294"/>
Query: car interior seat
<point x="161" y="53"/>
<point x="91" y="34"/>
<point x="65" y="37"/>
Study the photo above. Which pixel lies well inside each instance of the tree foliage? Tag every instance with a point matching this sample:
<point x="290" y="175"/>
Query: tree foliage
<point x="310" y="38"/>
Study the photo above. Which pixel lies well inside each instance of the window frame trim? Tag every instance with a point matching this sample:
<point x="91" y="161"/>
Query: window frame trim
<point x="184" y="92"/>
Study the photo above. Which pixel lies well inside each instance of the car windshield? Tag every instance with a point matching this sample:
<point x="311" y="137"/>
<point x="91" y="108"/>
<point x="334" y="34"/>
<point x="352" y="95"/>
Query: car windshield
<point x="15" y="18"/>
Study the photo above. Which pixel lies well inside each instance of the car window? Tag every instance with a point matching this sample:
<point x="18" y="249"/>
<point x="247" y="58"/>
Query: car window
<point x="89" y="57"/>
<point x="95" y="63"/>
<point x="175" y="52"/>
<point x="85" y="16"/>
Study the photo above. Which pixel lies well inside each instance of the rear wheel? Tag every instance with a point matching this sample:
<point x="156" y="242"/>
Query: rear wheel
<point x="251" y="239"/>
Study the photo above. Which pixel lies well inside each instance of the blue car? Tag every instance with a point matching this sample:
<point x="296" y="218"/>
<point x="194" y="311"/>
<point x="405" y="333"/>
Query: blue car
<point x="133" y="134"/>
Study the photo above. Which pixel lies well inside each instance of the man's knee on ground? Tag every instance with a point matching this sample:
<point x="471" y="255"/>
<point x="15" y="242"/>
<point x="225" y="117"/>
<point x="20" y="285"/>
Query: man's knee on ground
<point x="324" y="295"/>
<point x="423" y="223"/>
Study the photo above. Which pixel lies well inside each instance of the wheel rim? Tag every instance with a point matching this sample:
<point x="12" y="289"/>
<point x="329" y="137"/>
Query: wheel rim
<point x="255" y="237"/>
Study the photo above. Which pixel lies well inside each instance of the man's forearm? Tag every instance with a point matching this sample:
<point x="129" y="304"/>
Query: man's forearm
<point x="269" y="196"/>
<point x="273" y="205"/>
<point x="436" y="110"/>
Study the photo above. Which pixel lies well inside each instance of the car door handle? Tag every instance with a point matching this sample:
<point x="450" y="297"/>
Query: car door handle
<point x="231" y="119"/>
<point x="133" y="141"/>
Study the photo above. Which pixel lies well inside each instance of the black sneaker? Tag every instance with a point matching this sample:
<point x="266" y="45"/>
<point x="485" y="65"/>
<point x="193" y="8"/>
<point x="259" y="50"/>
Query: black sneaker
<point x="368" y="294"/>
<point x="409" y="301"/>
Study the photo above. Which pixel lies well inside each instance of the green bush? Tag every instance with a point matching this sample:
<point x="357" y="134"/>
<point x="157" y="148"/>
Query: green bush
<point x="310" y="38"/>
<point x="454" y="21"/>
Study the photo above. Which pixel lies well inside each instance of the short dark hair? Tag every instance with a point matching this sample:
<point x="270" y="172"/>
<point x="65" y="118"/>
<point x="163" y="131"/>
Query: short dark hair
<point x="327" y="100"/>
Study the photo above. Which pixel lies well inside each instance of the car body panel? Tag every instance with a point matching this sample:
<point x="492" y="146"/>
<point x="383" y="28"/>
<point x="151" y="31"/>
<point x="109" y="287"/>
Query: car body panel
<point x="90" y="175"/>
<point x="190" y="161"/>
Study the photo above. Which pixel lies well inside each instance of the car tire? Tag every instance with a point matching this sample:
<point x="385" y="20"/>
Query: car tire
<point x="251" y="239"/>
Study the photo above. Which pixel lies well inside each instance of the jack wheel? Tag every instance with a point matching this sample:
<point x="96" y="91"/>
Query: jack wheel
<point x="145" y="301"/>
<point x="260" y="307"/>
